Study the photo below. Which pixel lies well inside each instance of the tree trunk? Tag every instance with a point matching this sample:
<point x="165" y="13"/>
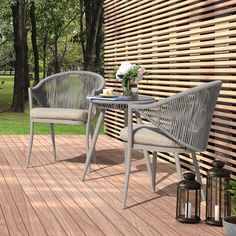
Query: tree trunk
<point x="93" y="16"/>
<point x="21" y="81"/>
<point x="45" y="41"/>
<point x="34" y="42"/>
<point x="99" y="61"/>
<point x="56" y="64"/>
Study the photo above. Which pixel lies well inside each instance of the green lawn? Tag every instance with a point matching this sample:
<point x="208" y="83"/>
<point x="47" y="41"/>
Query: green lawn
<point x="6" y="89"/>
<point x="18" y="123"/>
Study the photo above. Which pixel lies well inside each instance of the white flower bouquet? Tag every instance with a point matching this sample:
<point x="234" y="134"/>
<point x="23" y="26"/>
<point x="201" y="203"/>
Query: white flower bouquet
<point x="129" y="74"/>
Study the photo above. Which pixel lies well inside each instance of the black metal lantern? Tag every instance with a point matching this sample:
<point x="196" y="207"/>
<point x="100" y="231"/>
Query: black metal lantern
<point x="188" y="199"/>
<point x="218" y="200"/>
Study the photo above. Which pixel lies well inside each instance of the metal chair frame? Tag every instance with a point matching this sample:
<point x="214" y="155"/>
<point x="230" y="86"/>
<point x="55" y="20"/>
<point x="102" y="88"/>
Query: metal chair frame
<point x="42" y="93"/>
<point x="184" y="118"/>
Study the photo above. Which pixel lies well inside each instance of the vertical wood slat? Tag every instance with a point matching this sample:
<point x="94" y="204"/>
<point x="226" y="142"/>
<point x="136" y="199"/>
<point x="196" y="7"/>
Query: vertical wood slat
<point x="181" y="44"/>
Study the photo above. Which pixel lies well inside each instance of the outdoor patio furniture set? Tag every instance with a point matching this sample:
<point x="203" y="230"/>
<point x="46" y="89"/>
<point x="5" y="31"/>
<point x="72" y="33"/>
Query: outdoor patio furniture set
<point x="177" y="124"/>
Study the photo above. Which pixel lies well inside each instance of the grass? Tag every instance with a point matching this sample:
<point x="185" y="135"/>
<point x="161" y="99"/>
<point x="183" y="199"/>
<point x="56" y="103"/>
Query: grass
<point x="6" y="90"/>
<point x="18" y="123"/>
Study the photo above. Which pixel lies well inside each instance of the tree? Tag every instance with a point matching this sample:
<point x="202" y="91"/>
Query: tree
<point x="34" y="41"/>
<point x="21" y="80"/>
<point x="54" y="25"/>
<point x="57" y="20"/>
<point x="91" y="15"/>
<point x="6" y="35"/>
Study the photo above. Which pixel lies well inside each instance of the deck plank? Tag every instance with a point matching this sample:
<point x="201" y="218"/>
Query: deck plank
<point x="19" y="213"/>
<point x="72" y="218"/>
<point x="112" y="177"/>
<point x="168" y="189"/>
<point x="55" y="200"/>
<point x="4" y="231"/>
<point x="153" y="202"/>
<point x="26" y="178"/>
<point x="110" y="193"/>
<point x="107" y="209"/>
<point x="81" y="199"/>
<point x="168" y="219"/>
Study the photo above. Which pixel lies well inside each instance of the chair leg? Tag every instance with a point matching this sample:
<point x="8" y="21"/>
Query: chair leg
<point x="87" y="138"/>
<point x="53" y="142"/>
<point x="178" y="167"/>
<point x="94" y="151"/>
<point x="154" y="170"/>
<point x="30" y="143"/>
<point x="195" y="163"/>
<point x="87" y="149"/>
<point x="149" y="168"/>
<point x="127" y="173"/>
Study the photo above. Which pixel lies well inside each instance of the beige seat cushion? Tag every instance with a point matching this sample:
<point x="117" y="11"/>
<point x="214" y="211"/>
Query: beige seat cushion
<point x="59" y="113"/>
<point x="149" y="135"/>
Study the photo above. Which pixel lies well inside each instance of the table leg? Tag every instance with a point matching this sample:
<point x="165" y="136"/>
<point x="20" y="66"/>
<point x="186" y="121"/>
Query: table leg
<point x="92" y="145"/>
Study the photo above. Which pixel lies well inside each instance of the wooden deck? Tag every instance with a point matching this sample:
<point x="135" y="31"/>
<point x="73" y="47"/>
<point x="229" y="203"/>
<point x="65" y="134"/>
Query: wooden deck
<point x="50" y="199"/>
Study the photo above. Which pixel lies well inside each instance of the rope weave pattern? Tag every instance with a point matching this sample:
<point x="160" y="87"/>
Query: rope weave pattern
<point x="121" y="104"/>
<point x="185" y="117"/>
<point x="68" y="90"/>
<point x="111" y="106"/>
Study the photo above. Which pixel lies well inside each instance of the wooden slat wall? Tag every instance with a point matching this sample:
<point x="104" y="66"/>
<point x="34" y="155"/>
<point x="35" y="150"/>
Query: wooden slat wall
<point x="181" y="44"/>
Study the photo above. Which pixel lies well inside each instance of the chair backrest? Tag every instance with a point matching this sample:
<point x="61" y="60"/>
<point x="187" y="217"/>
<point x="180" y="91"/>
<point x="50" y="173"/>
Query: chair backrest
<point x="68" y="89"/>
<point x="186" y="117"/>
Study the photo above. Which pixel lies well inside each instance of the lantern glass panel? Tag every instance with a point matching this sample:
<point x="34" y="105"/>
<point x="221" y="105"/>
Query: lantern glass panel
<point x="216" y="198"/>
<point x="188" y="199"/>
<point x="182" y="201"/>
<point x="209" y="198"/>
<point x="194" y="196"/>
<point x="218" y="203"/>
<point x="189" y="203"/>
<point x="217" y="191"/>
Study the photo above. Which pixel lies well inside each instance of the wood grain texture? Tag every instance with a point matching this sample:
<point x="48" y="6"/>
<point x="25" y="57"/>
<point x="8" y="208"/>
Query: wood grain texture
<point x="181" y="44"/>
<point x="4" y="231"/>
<point x="50" y="199"/>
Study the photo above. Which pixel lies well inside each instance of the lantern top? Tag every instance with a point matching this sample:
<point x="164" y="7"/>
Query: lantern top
<point x="218" y="170"/>
<point x="189" y="176"/>
<point x="218" y="164"/>
<point x="189" y="182"/>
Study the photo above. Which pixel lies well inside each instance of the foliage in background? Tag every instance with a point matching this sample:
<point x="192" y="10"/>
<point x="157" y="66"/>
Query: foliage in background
<point x="51" y="36"/>
<point x="68" y="33"/>
<point x="233" y="194"/>
<point x="57" y="22"/>
<point x="6" y="35"/>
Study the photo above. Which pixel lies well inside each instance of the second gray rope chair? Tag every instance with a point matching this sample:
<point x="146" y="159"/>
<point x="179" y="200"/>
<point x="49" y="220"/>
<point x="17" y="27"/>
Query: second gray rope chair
<point x="62" y="100"/>
<point x="178" y="124"/>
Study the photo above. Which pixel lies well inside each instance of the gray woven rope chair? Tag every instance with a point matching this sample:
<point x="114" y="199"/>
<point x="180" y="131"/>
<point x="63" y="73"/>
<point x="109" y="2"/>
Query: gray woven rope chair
<point x="62" y="100"/>
<point x="178" y="124"/>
